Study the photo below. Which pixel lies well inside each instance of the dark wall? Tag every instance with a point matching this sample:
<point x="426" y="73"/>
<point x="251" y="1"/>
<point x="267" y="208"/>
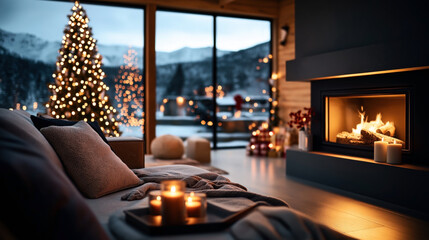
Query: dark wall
<point x="335" y="37"/>
<point x="331" y="25"/>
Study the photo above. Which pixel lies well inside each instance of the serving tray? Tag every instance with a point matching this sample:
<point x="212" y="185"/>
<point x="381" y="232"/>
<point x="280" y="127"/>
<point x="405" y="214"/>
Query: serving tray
<point x="215" y="220"/>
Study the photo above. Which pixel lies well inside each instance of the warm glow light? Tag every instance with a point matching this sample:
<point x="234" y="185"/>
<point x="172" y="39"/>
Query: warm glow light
<point x="180" y="100"/>
<point x="237" y="114"/>
<point x="274" y="76"/>
<point x="264" y="125"/>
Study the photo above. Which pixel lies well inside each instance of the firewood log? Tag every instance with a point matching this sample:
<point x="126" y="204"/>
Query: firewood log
<point x="371" y="137"/>
<point x="387" y="129"/>
<point x="349" y="138"/>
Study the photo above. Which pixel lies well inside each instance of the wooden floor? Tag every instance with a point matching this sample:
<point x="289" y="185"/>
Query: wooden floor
<point x="329" y="206"/>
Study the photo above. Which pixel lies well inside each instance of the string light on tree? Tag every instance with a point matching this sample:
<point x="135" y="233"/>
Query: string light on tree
<point x="79" y="92"/>
<point x="129" y="92"/>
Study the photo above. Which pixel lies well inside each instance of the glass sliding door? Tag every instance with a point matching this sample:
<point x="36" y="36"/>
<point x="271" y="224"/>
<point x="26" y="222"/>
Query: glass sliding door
<point x="184" y="53"/>
<point x="242" y="78"/>
<point x="33" y="34"/>
<point x="222" y="97"/>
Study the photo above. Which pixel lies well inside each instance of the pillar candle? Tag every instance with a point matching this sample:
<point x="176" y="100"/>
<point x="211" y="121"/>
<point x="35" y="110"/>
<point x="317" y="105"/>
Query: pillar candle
<point x="380" y="151"/>
<point x="173" y="210"/>
<point x="394" y="153"/>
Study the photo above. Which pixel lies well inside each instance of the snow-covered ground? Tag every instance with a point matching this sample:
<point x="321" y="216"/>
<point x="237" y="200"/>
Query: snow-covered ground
<point x="224" y="139"/>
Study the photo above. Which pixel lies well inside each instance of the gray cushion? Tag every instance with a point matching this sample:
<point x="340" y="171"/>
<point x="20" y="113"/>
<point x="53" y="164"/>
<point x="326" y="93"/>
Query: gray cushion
<point x="38" y="201"/>
<point x="89" y="161"/>
<point x="20" y="124"/>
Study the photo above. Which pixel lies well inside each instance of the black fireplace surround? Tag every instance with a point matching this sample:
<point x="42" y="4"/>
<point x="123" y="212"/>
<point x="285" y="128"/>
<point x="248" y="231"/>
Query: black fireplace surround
<point x="357" y="48"/>
<point x="409" y="83"/>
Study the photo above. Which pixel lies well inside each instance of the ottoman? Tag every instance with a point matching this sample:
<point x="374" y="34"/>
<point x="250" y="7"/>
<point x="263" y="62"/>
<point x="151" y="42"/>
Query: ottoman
<point x="198" y="148"/>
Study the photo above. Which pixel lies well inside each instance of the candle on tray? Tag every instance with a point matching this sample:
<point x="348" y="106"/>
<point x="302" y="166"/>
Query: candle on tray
<point x="380" y="151"/>
<point x="394" y="153"/>
<point x="196" y="204"/>
<point x="155" y="202"/>
<point x="173" y="210"/>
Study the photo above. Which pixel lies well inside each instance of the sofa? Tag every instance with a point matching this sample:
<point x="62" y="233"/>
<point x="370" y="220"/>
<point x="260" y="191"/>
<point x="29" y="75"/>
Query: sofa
<point x="45" y="195"/>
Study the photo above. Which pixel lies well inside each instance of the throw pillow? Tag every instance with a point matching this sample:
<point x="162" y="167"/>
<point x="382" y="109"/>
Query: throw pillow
<point x="90" y="163"/>
<point x="41" y="122"/>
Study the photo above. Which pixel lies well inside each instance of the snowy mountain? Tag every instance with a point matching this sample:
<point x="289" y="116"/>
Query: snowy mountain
<point x="34" y="48"/>
<point x="186" y="54"/>
<point x="29" y="46"/>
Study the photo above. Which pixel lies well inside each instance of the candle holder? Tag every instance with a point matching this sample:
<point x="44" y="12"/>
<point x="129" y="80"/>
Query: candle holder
<point x="155" y="202"/>
<point x="196" y="205"/>
<point x="173" y="209"/>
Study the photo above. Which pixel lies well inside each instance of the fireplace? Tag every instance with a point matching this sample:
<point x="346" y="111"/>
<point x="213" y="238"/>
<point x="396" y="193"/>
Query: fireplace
<point x="352" y="113"/>
<point x="359" y="120"/>
<point x="392" y="106"/>
<point x="366" y="63"/>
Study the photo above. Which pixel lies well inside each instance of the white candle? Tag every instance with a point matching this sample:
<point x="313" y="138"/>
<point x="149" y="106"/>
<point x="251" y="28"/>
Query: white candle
<point x="380" y="151"/>
<point x="394" y="153"/>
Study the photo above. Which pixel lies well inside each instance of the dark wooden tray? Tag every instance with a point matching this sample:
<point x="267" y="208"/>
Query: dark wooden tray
<point x="215" y="220"/>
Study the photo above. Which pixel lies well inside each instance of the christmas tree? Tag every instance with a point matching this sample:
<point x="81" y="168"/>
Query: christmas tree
<point x="130" y="92"/>
<point x="79" y="92"/>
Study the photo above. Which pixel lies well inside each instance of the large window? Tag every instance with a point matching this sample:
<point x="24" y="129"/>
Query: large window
<point x="33" y="42"/>
<point x="242" y="78"/>
<point x="221" y="103"/>
<point x="212" y="71"/>
<point x="184" y="50"/>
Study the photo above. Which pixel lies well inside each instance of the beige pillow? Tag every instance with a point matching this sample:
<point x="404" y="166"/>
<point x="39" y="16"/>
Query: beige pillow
<point x="89" y="161"/>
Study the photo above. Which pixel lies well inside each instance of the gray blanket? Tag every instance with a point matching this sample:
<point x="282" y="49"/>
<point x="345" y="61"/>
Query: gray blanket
<point x="271" y="220"/>
<point x="212" y="184"/>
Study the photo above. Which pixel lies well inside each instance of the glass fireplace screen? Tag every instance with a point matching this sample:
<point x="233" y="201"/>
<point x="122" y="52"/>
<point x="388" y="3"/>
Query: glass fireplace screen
<point x="363" y="119"/>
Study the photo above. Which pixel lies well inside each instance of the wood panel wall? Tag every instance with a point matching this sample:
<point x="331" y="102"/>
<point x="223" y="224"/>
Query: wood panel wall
<point x="293" y="95"/>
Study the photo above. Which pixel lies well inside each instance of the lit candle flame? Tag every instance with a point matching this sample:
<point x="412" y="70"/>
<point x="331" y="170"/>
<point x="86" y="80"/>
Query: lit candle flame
<point x="173" y="189"/>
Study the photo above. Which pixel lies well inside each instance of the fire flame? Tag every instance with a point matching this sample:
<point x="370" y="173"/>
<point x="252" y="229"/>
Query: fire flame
<point x="376" y="125"/>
